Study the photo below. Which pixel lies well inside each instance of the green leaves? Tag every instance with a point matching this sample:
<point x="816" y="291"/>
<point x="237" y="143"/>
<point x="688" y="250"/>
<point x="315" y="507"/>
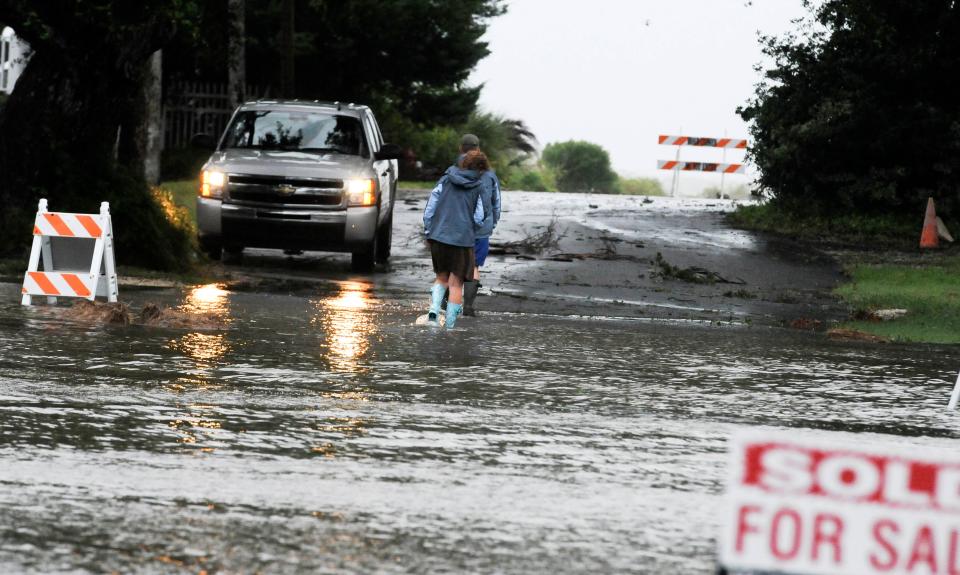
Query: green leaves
<point x="580" y="167"/>
<point x="859" y="112"/>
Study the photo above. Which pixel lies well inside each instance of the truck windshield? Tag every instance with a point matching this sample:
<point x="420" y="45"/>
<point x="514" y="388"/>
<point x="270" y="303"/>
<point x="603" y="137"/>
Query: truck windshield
<point x="297" y="131"/>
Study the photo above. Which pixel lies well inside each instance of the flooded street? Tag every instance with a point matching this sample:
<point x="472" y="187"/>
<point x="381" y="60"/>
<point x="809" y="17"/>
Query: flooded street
<point x="323" y="432"/>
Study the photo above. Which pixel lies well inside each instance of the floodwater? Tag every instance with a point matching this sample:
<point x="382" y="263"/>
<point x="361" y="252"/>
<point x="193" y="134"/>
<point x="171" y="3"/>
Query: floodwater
<point x="323" y="432"/>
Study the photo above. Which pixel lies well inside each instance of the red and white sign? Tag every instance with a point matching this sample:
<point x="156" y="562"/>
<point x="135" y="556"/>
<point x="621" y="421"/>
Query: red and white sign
<point x="821" y="505"/>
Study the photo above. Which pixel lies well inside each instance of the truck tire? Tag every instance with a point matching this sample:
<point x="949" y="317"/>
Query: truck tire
<point x="385" y="240"/>
<point x="364" y="261"/>
<point x="212" y="247"/>
<point x="232" y="254"/>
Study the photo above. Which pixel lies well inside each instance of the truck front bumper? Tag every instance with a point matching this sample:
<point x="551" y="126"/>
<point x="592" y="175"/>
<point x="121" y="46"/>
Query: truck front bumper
<point x="243" y="225"/>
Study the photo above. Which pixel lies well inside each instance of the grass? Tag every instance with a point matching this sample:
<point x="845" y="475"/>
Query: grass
<point x="415" y="185"/>
<point x="930" y="294"/>
<point x="856" y="229"/>
<point x="927" y="285"/>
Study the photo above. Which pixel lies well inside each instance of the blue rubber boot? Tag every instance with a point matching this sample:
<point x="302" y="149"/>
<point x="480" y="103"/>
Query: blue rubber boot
<point x="453" y="311"/>
<point x="436" y="296"/>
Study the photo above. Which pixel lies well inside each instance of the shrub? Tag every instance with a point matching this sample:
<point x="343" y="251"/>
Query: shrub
<point x="580" y="167"/>
<point x="641" y="187"/>
<point x="531" y="179"/>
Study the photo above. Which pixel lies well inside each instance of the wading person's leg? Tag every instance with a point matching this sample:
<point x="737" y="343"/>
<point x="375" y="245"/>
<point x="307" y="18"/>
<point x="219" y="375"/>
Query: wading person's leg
<point x="480" y="249"/>
<point x="455" y="302"/>
<point x="436" y="294"/>
<point x="456" y="289"/>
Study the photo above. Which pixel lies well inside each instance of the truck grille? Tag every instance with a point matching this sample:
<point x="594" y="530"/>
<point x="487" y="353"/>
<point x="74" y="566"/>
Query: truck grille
<point x="284" y="191"/>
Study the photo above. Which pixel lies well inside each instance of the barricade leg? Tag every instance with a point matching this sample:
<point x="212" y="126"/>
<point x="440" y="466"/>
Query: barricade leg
<point x="47" y="254"/>
<point x="110" y="266"/>
<point x="32" y="267"/>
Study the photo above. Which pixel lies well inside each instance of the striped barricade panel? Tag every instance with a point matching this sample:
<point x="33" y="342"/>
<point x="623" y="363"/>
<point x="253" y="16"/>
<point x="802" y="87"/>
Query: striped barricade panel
<point x="734" y="143"/>
<point x="701" y="167"/>
<point x="64" y="225"/>
<point x="68" y="284"/>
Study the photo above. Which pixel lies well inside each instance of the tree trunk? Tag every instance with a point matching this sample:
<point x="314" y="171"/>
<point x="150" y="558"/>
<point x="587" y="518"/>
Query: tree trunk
<point x="288" y="49"/>
<point x="236" y="52"/>
<point x="154" y="119"/>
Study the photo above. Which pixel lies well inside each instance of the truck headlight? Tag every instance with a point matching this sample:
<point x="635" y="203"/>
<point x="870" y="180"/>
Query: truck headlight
<point x="211" y="184"/>
<point x="361" y="192"/>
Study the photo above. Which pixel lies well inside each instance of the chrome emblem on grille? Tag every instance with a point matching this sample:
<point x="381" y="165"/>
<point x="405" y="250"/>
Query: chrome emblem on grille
<point x="286" y="190"/>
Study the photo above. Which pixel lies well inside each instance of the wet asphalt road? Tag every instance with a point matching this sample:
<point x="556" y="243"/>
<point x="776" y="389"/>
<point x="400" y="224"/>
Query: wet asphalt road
<point x="602" y="262"/>
<point x="323" y="432"/>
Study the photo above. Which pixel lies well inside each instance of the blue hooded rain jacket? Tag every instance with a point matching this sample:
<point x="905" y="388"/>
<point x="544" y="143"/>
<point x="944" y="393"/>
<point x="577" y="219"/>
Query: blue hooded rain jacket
<point x="454" y="206"/>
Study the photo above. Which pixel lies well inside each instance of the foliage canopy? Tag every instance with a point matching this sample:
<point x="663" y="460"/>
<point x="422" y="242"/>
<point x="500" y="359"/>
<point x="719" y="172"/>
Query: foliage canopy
<point x="861" y="110"/>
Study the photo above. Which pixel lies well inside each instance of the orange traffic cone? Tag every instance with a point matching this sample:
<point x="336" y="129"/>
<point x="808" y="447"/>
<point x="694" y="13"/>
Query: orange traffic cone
<point x="928" y="238"/>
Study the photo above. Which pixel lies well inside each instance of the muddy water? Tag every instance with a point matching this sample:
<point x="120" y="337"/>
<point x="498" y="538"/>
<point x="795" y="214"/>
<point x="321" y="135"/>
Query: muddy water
<point x="323" y="432"/>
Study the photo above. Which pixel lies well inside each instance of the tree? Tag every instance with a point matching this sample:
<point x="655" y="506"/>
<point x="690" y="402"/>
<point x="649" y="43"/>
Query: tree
<point x="410" y="61"/>
<point x="580" y="167"/>
<point x="861" y="110"/>
<point x="414" y="56"/>
<point x="70" y="131"/>
<point x="236" y="51"/>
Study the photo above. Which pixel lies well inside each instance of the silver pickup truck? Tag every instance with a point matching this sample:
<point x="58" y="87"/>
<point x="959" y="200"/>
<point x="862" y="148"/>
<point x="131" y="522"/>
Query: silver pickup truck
<point x="297" y="175"/>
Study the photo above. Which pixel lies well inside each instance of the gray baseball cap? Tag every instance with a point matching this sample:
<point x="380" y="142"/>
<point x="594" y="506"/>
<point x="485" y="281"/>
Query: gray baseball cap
<point x="469" y="141"/>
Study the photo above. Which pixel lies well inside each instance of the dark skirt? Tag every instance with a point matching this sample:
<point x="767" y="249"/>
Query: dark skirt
<point x="456" y="260"/>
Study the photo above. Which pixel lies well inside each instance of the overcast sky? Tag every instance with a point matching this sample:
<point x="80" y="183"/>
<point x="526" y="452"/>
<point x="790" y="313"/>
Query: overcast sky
<point x="620" y="72"/>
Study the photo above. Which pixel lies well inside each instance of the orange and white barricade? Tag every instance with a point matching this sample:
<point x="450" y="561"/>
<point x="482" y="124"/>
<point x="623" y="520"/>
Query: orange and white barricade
<point x="77" y="255"/>
<point x="722" y="168"/>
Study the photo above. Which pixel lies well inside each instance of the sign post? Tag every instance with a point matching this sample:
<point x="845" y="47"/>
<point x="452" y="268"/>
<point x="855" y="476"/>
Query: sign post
<point x="825" y="506"/>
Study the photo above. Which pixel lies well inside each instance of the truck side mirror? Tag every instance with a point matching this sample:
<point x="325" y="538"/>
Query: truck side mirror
<point x="388" y="152"/>
<point x="203" y="142"/>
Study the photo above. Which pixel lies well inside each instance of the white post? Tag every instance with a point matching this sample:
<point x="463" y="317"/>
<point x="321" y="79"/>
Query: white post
<point x="675" y="186"/>
<point x="955" y="396"/>
<point x="109" y="263"/>
<point x="722" y="172"/>
<point x="46" y="253"/>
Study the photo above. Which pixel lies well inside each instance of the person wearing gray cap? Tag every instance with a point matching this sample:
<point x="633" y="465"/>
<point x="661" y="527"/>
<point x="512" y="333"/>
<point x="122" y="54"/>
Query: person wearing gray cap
<point x="486" y="218"/>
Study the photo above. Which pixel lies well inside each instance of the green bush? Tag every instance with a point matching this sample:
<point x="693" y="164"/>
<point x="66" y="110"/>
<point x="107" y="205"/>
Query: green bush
<point x="580" y="167"/>
<point x="641" y="187"/>
<point x="530" y="179"/>
<point x="894" y="230"/>
<point x="506" y="142"/>
<point x="436" y="148"/>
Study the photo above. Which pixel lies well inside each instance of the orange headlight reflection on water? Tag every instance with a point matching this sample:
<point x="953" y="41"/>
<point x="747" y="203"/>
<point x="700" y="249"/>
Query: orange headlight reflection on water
<point x="348" y="325"/>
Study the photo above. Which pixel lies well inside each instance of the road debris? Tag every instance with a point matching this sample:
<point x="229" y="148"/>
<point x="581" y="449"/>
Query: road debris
<point x="691" y="274"/>
<point x="532" y="243"/>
